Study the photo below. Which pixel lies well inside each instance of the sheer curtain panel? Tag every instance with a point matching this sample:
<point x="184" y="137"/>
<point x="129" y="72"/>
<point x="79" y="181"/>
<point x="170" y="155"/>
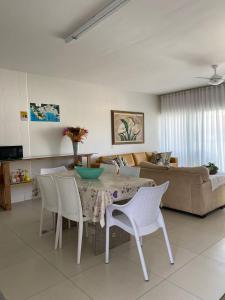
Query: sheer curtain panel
<point x="193" y="125"/>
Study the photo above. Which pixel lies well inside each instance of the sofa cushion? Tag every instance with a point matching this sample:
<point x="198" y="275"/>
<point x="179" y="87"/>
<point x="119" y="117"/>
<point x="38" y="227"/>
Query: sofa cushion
<point x="146" y="164"/>
<point x="148" y="155"/>
<point x="139" y="157"/>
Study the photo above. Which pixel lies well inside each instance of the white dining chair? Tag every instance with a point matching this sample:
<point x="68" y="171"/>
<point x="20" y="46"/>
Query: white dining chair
<point x="45" y="171"/>
<point x="139" y="217"/>
<point x="130" y="171"/>
<point x="70" y="208"/>
<point x="49" y="198"/>
<point x="108" y="168"/>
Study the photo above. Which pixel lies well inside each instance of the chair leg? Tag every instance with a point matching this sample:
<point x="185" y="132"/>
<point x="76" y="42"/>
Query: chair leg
<point x="69" y="224"/>
<point x="41" y="221"/>
<point x="57" y="234"/>
<point x="80" y="235"/>
<point x="53" y="221"/>
<point x="141" y="240"/>
<point x="167" y="243"/>
<point x="86" y="229"/>
<point x="107" y="245"/>
<point x="60" y="233"/>
<point x="142" y="259"/>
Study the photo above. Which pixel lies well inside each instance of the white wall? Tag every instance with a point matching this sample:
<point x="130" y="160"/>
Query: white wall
<point x="81" y="104"/>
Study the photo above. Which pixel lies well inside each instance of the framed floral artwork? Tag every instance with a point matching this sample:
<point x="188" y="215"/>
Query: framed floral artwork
<point x="127" y="127"/>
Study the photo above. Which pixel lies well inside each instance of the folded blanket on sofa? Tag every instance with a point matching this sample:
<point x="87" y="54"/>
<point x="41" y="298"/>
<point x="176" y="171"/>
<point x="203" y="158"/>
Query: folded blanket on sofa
<point x="217" y="180"/>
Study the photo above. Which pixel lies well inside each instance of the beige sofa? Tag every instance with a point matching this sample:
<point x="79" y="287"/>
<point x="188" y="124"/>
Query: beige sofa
<point x="190" y="189"/>
<point x="134" y="159"/>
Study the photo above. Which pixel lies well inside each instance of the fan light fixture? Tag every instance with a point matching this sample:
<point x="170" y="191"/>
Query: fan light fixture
<point x="100" y="16"/>
<point x="215" y="79"/>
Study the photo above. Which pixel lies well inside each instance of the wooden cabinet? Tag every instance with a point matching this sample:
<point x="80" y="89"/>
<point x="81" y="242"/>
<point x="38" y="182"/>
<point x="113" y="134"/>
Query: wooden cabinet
<point x="5" y="182"/>
<point x="5" y="190"/>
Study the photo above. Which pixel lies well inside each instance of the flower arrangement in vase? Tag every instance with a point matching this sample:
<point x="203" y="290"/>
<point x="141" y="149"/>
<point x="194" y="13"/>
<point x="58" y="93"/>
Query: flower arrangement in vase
<point x="77" y="135"/>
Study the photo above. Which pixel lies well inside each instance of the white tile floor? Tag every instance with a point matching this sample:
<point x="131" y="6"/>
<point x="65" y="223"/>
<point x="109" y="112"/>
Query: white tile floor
<point x="31" y="269"/>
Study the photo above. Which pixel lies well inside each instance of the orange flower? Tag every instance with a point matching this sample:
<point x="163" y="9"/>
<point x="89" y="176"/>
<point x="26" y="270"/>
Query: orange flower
<point x="76" y="134"/>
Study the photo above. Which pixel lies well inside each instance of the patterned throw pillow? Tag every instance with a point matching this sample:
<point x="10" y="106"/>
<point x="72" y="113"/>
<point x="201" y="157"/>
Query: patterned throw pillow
<point x="117" y="161"/>
<point x="108" y="161"/>
<point x="123" y="161"/>
<point x="111" y="162"/>
<point x="161" y="159"/>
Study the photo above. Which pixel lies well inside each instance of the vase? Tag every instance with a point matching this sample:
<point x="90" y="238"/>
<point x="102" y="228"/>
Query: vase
<point x="75" y="148"/>
<point x="76" y="157"/>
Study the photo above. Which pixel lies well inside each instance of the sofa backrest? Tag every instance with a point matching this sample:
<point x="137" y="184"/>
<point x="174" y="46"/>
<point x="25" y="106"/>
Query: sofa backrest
<point x="134" y="159"/>
<point x="127" y="156"/>
<point x="139" y="157"/>
<point x="202" y="171"/>
<point x="196" y="175"/>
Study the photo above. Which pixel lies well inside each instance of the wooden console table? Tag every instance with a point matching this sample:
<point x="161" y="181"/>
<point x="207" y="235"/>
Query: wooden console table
<point x="5" y="182"/>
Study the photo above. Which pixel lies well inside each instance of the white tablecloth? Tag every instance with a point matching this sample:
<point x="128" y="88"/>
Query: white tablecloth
<point x="97" y="194"/>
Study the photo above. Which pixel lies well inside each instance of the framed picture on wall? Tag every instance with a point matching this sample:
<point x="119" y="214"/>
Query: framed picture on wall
<point x="44" y="112"/>
<point x="127" y="127"/>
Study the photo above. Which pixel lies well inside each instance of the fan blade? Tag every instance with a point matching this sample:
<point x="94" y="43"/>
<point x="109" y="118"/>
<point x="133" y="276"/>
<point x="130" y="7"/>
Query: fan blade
<point x="208" y="78"/>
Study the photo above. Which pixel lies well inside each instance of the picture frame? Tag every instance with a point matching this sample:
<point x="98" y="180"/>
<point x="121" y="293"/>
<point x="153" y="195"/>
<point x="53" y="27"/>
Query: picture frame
<point x="127" y="127"/>
<point x="44" y="112"/>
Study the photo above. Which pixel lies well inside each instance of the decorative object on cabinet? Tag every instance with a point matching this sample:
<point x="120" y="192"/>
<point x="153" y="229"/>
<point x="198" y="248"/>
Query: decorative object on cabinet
<point x="20" y="176"/>
<point x="127" y="127"/>
<point x="77" y="135"/>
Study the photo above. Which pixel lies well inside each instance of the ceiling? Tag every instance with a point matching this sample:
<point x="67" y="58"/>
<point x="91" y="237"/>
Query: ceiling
<point x="147" y="46"/>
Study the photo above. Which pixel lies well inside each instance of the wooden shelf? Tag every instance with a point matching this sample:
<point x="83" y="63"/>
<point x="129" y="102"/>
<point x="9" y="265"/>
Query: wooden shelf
<point x="6" y="184"/>
<point x="27" y="158"/>
<point x="24" y="182"/>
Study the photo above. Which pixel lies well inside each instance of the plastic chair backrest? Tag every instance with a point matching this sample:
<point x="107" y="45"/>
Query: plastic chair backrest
<point x="69" y="198"/>
<point x="45" y="171"/>
<point x="130" y="171"/>
<point x="143" y="208"/>
<point x="48" y="192"/>
<point x="109" y="168"/>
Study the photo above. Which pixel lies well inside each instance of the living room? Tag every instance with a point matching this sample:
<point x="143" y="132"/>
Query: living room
<point x="162" y="63"/>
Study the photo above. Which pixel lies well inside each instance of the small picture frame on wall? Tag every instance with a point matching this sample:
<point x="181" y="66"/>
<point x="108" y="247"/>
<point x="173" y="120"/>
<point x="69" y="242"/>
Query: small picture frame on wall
<point x="23" y="116"/>
<point x="127" y="127"/>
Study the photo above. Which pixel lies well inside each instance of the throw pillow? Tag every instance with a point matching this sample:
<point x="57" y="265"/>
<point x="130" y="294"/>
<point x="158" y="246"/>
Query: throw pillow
<point x="108" y="161"/>
<point x="123" y="161"/>
<point x="162" y="159"/>
<point x="117" y="161"/>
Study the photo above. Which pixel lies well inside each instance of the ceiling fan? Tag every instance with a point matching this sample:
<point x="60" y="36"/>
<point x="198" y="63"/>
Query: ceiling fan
<point x="215" y="79"/>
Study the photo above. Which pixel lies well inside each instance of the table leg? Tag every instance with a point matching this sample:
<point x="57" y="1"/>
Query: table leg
<point x="88" y="162"/>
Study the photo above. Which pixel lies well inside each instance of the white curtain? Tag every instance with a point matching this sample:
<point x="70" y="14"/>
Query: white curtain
<point x="193" y="126"/>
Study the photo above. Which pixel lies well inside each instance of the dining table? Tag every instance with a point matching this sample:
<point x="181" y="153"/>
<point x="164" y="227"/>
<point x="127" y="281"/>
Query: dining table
<point x="97" y="194"/>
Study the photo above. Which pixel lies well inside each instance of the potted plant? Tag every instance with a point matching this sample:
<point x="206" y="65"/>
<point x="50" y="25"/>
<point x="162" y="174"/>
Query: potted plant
<point x="212" y="168"/>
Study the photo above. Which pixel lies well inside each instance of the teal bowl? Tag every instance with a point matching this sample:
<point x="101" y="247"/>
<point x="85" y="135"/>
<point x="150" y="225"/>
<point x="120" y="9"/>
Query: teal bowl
<point x="89" y="173"/>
